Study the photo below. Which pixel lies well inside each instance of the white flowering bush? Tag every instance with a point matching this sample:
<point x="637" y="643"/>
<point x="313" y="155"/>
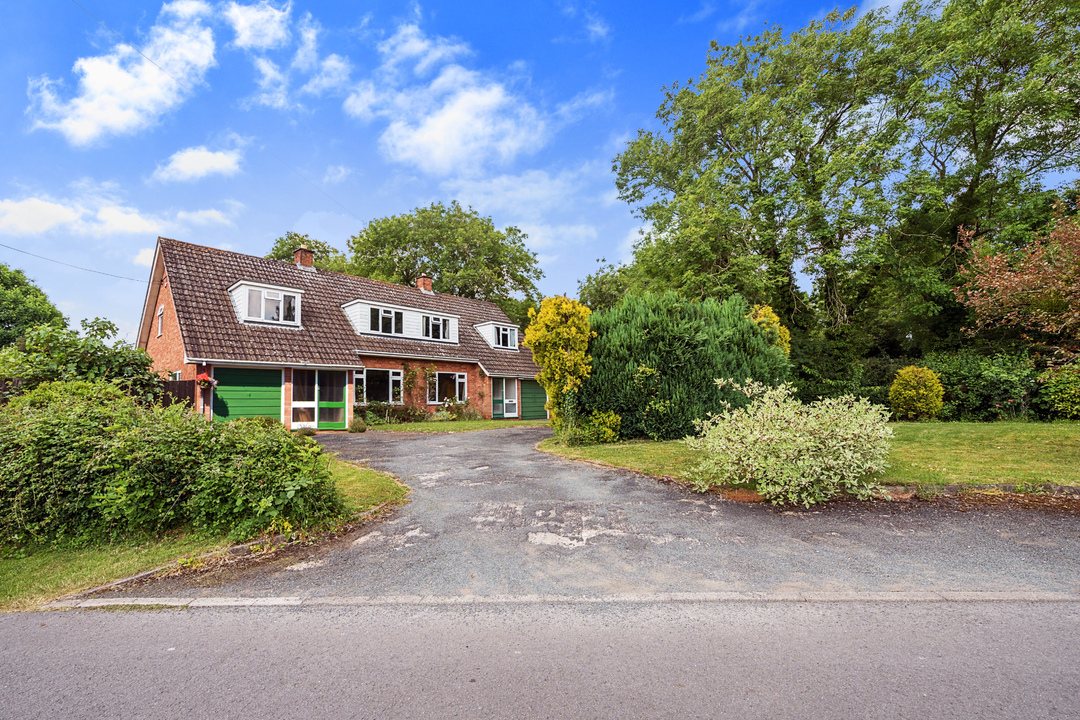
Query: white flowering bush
<point x="794" y="453"/>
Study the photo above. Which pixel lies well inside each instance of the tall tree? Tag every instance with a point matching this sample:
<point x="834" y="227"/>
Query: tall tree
<point x="23" y="305"/>
<point x="460" y="250"/>
<point x="327" y="257"/>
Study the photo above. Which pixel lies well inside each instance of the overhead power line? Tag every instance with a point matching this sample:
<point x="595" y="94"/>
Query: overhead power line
<point x="272" y="154"/>
<point x="58" y="262"/>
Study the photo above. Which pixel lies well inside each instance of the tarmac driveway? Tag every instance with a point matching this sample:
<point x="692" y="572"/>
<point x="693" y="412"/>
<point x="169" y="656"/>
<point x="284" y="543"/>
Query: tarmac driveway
<point x="491" y="516"/>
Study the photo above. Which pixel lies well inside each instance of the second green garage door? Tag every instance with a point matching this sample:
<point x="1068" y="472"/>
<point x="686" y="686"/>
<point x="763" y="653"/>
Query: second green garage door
<point x="245" y="392"/>
<point x="533" y="398"/>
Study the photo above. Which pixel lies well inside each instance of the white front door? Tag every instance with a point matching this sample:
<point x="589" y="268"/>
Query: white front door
<point x="510" y="403"/>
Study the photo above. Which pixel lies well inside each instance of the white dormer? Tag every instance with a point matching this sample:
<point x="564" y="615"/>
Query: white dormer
<point x="500" y="336"/>
<point x="261" y="304"/>
<point x="369" y="317"/>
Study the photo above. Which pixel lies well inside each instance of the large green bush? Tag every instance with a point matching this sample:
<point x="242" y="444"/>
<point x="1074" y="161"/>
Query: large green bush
<point x="1060" y="393"/>
<point x="656" y="357"/>
<point x="83" y="461"/>
<point x="983" y="387"/>
<point x="793" y="452"/>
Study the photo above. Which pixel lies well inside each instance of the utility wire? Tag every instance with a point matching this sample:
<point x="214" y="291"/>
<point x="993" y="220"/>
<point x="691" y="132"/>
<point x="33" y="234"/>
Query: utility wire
<point x="272" y="154"/>
<point x="58" y="262"/>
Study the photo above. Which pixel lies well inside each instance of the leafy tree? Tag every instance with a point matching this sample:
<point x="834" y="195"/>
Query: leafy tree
<point x="327" y="257"/>
<point x="558" y="336"/>
<point x="461" y="251"/>
<point x="22" y="306"/>
<point x="605" y="288"/>
<point x="51" y="353"/>
<point x="1036" y="288"/>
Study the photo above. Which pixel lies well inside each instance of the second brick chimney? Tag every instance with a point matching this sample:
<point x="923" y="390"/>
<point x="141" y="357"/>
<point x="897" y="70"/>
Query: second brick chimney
<point x="304" y="256"/>
<point x="424" y="284"/>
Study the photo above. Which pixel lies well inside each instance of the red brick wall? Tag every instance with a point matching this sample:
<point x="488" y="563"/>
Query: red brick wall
<point x="479" y="387"/>
<point x="167" y="350"/>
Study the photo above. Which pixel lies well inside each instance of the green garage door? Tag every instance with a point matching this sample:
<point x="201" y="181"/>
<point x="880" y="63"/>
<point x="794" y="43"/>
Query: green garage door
<point x="244" y="392"/>
<point x="533" y="398"/>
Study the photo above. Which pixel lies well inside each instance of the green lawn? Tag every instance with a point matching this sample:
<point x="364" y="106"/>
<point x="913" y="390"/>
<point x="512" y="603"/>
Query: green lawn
<point x="446" y="426"/>
<point x="922" y="454"/>
<point x="47" y="573"/>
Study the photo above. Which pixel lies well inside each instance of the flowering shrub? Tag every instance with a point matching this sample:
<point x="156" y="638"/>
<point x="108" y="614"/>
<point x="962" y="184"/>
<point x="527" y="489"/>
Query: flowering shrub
<point x="916" y="393"/>
<point x="1061" y="391"/>
<point x="793" y="452"/>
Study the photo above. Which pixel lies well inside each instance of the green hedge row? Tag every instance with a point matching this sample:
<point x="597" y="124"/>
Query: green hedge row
<point x="83" y="461"/>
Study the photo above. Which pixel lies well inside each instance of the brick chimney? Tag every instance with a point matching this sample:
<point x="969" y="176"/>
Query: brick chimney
<point x="424" y="284"/>
<point x="303" y="256"/>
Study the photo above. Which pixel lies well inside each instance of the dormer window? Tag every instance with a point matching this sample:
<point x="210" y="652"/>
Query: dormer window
<point x="436" y="328"/>
<point x="387" y="322"/>
<point x="505" y="337"/>
<point x="273" y="306"/>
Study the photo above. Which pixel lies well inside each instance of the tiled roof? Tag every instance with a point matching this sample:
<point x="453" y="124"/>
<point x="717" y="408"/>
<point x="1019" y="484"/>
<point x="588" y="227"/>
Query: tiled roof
<point x="201" y="276"/>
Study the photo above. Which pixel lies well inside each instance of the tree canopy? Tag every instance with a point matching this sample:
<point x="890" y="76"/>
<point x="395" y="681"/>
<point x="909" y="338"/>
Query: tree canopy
<point x="826" y="171"/>
<point x="327" y="257"/>
<point x="23" y="305"/>
<point x="459" y="249"/>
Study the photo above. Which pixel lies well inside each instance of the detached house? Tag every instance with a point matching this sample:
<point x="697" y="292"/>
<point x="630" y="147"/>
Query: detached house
<point x="286" y="340"/>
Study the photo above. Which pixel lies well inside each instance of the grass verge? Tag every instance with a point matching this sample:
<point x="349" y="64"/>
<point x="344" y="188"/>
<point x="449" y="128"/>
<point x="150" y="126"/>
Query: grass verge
<point x="928" y="454"/>
<point x="450" y="426"/>
<point x="45" y="573"/>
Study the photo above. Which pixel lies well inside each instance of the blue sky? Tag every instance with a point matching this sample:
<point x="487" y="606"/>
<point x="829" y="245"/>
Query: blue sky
<point x="318" y="117"/>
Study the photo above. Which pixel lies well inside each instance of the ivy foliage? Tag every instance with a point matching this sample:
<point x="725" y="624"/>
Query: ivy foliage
<point x="558" y="336"/>
<point x="656" y="358"/>
<point x="83" y="462"/>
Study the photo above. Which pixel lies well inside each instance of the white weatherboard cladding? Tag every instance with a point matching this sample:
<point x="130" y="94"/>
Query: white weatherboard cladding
<point x="487" y="331"/>
<point x="359" y="315"/>
<point x="238" y="295"/>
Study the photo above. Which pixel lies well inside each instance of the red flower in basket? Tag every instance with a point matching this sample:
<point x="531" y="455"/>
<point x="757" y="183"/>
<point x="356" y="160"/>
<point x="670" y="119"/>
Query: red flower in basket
<point x="205" y="381"/>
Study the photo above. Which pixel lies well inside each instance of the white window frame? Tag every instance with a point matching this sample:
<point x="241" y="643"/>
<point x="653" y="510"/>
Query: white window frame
<point x="397" y="321"/>
<point x="160" y="319"/>
<point x="430" y="322"/>
<point x="510" y="336"/>
<point x="266" y="294"/>
<point x="461" y="385"/>
<point x="396" y="377"/>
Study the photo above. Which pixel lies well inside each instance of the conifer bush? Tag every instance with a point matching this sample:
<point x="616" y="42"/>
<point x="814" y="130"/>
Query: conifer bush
<point x="916" y="393"/>
<point x="655" y="358"/>
<point x="790" y="452"/>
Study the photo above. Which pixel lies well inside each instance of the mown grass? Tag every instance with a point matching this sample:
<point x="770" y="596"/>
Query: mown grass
<point x="930" y="454"/>
<point x="448" y="426"/>
<point x="37" y="575"/>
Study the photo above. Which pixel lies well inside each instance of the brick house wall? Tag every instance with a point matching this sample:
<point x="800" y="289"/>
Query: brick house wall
<point x="478" y="385"/>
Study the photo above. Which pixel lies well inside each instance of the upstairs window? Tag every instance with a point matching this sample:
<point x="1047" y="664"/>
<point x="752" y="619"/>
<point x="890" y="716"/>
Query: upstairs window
<point x="436" y="328"/>
<point x="160" y="318"/>
<point x="272" y="306"/>
<point x="387" y="322"/>
<point x="505" y="337"/>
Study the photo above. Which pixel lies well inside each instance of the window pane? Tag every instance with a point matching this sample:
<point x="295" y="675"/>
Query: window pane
<point x="399" y="323"/>
<point x="374" y="319"/>
<point x="332" y="415"/>
<point x="436" y="329"/>
<point x="511" y="390"/>
<point x="303" y="415"/>
<point x="290" y="309"/>
<point x="427" y="326"/>
<point x="513" y="337"/>
<point x="378" y="386"/>
<point x="461" y="391"/>
<point x="395" y="389"/>
<point x="386" y="320"/>
<point x="447" y="386"/>
<point x="254" y="303"/>
<point x="446" y="329"/>
<point x="272" y="310"/>
<point x="359" y="388"/>
<point x="432" y="389"/>
<point x="497" y="389"/>
<point x="303" y="385"/>
<point x="331" y="386"/>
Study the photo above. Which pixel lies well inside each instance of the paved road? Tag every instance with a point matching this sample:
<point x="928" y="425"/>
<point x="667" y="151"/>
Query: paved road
<point x="489" y="516"/>
<point x="981" y="661"/>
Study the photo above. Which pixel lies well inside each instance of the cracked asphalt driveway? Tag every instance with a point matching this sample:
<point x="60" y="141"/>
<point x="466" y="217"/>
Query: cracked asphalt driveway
<point x="491" y="516"/>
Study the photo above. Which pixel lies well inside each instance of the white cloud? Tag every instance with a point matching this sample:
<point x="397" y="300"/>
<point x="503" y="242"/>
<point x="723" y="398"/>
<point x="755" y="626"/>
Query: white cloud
<point x="456" y="123"/>
<point x="274" y="84"/>
<point x="144" y="257"/>
<point x="198" y="162"/>
<point x="114" y="219"/>
<point x="706" y="9"/>
<point x="203" y="217"/>
<point x="259" y="27"/>
<point x="333" y="74"/>
<point x="529" y="195"/>
<point x="743" y="18"/>
<point x="34" y="215"/>
<point x="336" y="174"/>
<point x="307" y="54"/>
<point x="596" y="28"/>
<point x="584" y="103"/>
<point x="122" y="92"/>
<point x="542" y="236"/>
